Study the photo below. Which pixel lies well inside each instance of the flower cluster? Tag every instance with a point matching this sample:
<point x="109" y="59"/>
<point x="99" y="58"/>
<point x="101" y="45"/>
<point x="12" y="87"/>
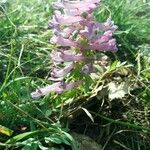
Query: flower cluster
<point x="76" y="36"/>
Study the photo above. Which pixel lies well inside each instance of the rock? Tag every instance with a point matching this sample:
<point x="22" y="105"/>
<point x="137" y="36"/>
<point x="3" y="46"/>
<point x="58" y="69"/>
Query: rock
<point x="84" y="142"/>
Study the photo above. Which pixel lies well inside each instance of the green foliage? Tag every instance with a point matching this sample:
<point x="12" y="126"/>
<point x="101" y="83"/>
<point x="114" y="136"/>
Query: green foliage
<point x="122" y="87"/>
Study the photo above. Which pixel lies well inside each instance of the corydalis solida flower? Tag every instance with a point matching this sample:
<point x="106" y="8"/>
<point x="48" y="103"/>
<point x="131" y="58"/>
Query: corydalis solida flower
<point x="77" y="36"/>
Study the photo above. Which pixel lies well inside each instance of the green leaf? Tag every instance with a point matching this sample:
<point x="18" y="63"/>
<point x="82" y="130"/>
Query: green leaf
<point x="147" y="74"/>
<point x="71" y="140"/>
<point x="24" y="135"/>
<point x="42" y="147"/>
<point x="58" y="139"/>
<point x="30" y="144"/>
<point x="48" y="113"/>
<point x="5" y="131"/>
<point x="114" y="65"/>
<point x="88" y="82"/>
<point x="54" y="138"/>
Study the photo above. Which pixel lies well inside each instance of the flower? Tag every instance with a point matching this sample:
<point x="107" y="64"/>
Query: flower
<point x="78" y="6"/>
<point x="57" y="73"/>
<point x="59" y="40"/>
<point x="66" y="56"/>
<point x="57" y="87"/>
<point x="76" y="36"/>
<point x="104" y="46"/>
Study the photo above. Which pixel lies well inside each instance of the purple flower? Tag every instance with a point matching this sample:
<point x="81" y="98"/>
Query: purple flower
<point x="77" y="6"/>
<point x="109" y="25"/>
<point x="62" y="41"/>
<point x="57" y="87"/>
<point x="89" y="68"/>
<point x="67" y="20"/>
<point x="76" y="36"/>
<point x="66" y="33"/>
<point x="107" y="46"/>
<point x="58" y="5"/>
<point x="46" y="90"/>
<point x="66" y="56"/>
<point x="57" y="73"/>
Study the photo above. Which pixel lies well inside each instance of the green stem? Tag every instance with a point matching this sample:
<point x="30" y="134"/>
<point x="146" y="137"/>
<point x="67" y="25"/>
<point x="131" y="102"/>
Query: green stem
<point x="40" y="123"/>
<point x="127" y="124"/>
<point x="8" y="68"/>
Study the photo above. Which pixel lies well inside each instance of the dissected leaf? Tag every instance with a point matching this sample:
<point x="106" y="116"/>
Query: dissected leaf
<point x="117" y="91"/>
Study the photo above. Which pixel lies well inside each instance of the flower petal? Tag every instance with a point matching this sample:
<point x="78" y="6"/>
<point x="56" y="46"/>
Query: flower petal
<point x="66" y="56"/>
<point x="108" y="46"/>
<point x="46" y="90"/>
<point x="68" y="20"/>
<point x="62" y="41"/>
<point x="89" y="68"/>
<point x="57" y="87"/>
<point x="72" y="85"/>
<point x="58" y="5"/>
<point x="56" y="73"/>
<point x="82" y="6"/>
<point x="68" y="31"/>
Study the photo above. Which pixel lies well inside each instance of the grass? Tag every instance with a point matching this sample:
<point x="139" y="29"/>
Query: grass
<point x="121" y="123"/>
